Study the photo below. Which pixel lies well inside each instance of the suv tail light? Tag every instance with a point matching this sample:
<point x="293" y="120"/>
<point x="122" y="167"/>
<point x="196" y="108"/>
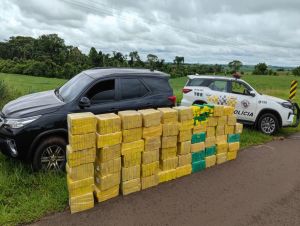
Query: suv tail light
<point x="184" y="90"/>
<point x="173" y="99"/>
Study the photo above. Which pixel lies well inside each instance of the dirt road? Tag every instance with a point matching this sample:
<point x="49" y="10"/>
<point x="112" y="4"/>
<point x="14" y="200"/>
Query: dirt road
<point x="262" y="187"/>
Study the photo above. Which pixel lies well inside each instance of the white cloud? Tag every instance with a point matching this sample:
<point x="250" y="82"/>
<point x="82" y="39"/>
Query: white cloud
<point x="206" y="31"/>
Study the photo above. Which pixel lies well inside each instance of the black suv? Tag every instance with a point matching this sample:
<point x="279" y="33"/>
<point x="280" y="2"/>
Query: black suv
<point x="34" y="127"/>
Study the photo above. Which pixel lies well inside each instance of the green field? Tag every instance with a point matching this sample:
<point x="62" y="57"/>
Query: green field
<point x="26" y="196"/>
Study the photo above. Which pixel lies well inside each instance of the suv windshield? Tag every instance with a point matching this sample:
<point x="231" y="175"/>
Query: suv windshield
<point x="71" y="89"/>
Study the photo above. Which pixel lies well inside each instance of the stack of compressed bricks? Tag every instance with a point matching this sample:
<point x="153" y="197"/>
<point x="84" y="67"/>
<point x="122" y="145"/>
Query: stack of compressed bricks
<point x="185" y="127"/>
<point x="131" y="151"/>
<point x="152" y="131"/>
<point x="81" y="153"/>
<point x="108" y="160"/>
<point x="168" y="151"/>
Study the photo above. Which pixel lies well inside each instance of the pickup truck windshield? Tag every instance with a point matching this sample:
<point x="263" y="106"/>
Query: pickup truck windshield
<point x="71" y="89"/>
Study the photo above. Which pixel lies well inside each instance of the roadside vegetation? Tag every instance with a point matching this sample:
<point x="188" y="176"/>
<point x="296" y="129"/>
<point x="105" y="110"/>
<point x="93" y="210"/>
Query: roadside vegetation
<point x="26" y="196"/>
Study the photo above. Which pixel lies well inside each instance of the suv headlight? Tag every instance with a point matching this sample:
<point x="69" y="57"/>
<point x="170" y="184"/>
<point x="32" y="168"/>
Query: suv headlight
<point x="287" y="104"/>
<point x="16" y="123"/>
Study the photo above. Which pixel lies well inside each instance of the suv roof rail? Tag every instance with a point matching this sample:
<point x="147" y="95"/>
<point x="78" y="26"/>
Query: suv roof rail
<point x="120" y="68"/>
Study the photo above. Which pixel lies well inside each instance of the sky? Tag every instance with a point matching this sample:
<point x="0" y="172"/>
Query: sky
<point x="203" y="31"/>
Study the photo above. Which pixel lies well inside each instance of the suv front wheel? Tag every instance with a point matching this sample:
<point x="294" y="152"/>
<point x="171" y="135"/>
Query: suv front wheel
<point x="50" y="154"/>
<point x="268" y="124"/>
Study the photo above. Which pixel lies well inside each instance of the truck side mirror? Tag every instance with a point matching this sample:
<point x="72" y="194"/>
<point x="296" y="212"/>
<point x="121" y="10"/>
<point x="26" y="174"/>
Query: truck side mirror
<point x="252" y="93"/>
<point x="84" y="102"/>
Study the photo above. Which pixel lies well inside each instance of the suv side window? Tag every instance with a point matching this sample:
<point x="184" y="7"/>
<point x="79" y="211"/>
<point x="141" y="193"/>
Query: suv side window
<point x="132" y="88"/>
<point x="240" y="88"/>
<point x="195" y="82"/>
<point x="218" y="85"/>
<point x="102" y="92"/>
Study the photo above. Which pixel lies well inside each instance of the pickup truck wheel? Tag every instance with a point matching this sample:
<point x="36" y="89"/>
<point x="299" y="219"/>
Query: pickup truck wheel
<point x="50" y="155"/>
<point x="268" y="124"/>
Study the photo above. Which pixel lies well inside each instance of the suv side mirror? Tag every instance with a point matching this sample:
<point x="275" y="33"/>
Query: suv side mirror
<point x="84" y="102"/>
<point x="252" y="93"/>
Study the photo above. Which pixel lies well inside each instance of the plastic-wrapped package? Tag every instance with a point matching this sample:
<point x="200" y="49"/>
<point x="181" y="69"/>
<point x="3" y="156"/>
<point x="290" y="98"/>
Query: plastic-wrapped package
<point x="210" y="161"/>
<point x="131" y="186"/>
<point x="150" y="169"/>
<point x="221" y="158"/>
<point x="198" y="137"/>
<point x="108" y="153"/>
<point x="231" y="155"/>
<point x="211" y="131"/>
<point x="231" y="121"/>
<point x="149" y="181"/>
<point x="198" y="166"/>
<point x="235" y="146"/>
<point x="184" y="147"/>
<point x="76" y="158"/>
<point x="218" y="110"/>
<point x="210" y="141"/>
<point x="233" y="138"/>
<point x="154" y="131"/>
<point x="132" y="159"/>
<point x="185" y="135"/>
<point x="222" y="148"/>
<point x="130" y="135"/>
<point x="229" y="129"/>
<point x="82" y="202"/>
<point x="166" y="175"/>
<point x="151" y="117"/>
<point x="169" y="142"/>
<point x="198" y="156"/>
<point x="130" y="173"/>
<point x="169" y="115"/>
<point x="109" y="139"/>
<point x="183" y="170"/>
<point x="184" y="159"/>
<point x="184" y="113"/>
<point x="238" y="128"/>
<point x="198" y="147"/>
<point x="170" y="129"/>
<point x="220" y="130"/>
<point x="108" y="123"/>
<point x="110" y="193"/>
<point x="108" y="167"/>
<point x="210" y="150"/>
<point x="80" y="187"/>
<point x="130" y="119"/>
<point x="228" y="110"/>
<point x="132" y="147"/>
<point x="81" y="123"/>
<point x="80" y="172"/>
<point x="150" y="156"/>
<point x="166" y="153"/>
<point x="168" y="164"/>
<point x="82" y="141"/>
<point x="108" y="181"/>
<point x="185" y="125"/>
<point x="222" y="120"/>
<point x="212" y="121"/>
<point x="221" y="139"/>
<point x="152" y="143"/>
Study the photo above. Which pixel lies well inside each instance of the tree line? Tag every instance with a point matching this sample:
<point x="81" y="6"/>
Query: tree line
<point x="49" y="56"/>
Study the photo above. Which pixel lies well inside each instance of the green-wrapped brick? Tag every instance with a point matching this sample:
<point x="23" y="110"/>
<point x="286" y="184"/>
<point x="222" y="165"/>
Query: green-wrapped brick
<point x="212" y="150"/>
<point x="198" y="166"/>
<point x="198" y="137"/>
<point x="231" y="138"/>
<point x="197" y="156"/>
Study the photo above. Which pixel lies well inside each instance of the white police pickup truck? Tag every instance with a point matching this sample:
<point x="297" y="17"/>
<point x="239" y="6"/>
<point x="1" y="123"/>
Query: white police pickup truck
<point x="267" y="113"/>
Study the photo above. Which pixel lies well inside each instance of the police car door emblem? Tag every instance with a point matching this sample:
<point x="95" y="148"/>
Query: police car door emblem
<point x="245" y="103"/>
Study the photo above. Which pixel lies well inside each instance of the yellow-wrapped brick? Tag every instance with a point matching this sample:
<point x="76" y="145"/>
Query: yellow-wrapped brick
<point x="238" y="128"/>
<point x="81" y="123"/>
<point x="132" y="159"/>
<point x="231" y="121"/>
<point x="149" y="181"/>
<point x="76" y="158"/>
<point x="132" y="147"/>
<point x="198" y="147"/>
<point x="130" y="173"/>
<point x="108" y="167"/>
<point x="150" y="117"/>
<point x="186" y="125"/>
<point x="183" y="170"/>
<point x="169" y="142"/>
<point x="184" y="135"/>
<point x="130" y="135"/>
<point x="170" y="129"/>
<point x="168" y="164"/>
<point x="131" y="186"/>
<point x="80" y="172"/>
<point x="228" y="110"/>
<point x="109" y="139"/>
<point x="222" y="148"/>
<point x="220" y="130"/>
<point x="169" y="115"/>
<point x="210" y="141"/>
<point x="211" y="131"/>
<point x="212" y="121"/>
<point x="184" y="147"/>
<point x="152" y="143"/>
<point x="210" y="161"/>
<point x="221" y="139"/>
<point x="154" y="131"/>
<point x="200" y="127"/>
<point x="80" y="187"/>
<point x="221" y="158"/>
<point x="166" y="175"/>
<point x="166" y="153"/>
<point x="229" y="129"/>
<point x="81" y="203"/>
<point x="184" y="159"/>
<point x="82" y="142"/>
<point x="130" y="119"/>
<point x="218" y="110"/>
<point x="150" y="156"/>
<point x="109" y="181"/>
<point x="235" y="146"/>
<point x="184" y="113"/>
<point x="231" y="155"/>
<point x="150" y="169"/>
<point x="108" y="123"/>
<point x="108" y="153"/>
<point x="222" y="120"/>
<point x="110" y="193"/>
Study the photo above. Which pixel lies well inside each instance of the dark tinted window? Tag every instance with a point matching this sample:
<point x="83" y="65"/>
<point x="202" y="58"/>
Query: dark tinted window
<point x="102" y="92"/>
<point x="132" y="88"/>
<point x="158" y="84"/>
<point x="196" y="82"/>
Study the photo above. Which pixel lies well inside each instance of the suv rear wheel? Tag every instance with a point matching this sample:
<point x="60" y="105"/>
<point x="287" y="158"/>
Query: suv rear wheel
<point x="268" y="124"/>
<point x="50" y="154"/>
